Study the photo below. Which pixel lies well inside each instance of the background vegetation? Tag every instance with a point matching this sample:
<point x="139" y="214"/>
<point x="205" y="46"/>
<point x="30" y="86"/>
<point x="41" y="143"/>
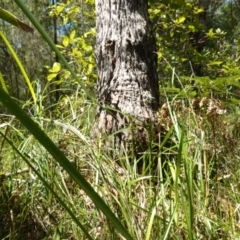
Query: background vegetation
<point x="193" y="190"/>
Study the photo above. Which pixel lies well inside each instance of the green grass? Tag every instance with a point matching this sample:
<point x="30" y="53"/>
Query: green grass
<point x="183" y="197"/>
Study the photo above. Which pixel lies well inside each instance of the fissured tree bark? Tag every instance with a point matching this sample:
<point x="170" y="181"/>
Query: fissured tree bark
<point x="128" y="91"/>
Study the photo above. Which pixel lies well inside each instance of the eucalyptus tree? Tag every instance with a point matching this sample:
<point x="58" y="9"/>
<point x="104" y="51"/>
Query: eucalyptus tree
<point x="128" y="94"/>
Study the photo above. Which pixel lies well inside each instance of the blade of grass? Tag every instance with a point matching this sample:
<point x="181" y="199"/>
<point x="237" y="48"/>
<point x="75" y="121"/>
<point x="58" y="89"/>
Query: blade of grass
<point x="150" y="224"/>
<point x="189" y="179"/>
<point x="2" y="81"/>
<point x="46" y="142"/>
<point x="178" y="163"/>
<point x="166" y="233"/>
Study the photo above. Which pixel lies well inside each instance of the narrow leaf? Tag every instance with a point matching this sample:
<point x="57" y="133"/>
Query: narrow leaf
<point x="65" y="41"/>
<point x="216" y="63"/>
<point x="10" y="18"/>
<point x="72" y="34"/>
<point x="2" y="81"/>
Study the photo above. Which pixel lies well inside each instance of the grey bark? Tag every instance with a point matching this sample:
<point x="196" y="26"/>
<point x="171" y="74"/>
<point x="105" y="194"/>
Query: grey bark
<point x="126" y="58"/>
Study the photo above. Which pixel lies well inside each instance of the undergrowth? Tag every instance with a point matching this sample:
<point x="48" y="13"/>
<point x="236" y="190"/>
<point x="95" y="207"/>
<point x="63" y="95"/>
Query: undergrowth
<point x="192" y="193"/>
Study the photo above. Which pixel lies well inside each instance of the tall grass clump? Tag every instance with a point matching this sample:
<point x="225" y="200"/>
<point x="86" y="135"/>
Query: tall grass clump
<point x="191" y="194"/>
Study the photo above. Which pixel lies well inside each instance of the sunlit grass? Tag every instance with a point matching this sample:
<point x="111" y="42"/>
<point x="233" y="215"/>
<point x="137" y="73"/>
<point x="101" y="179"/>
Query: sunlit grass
<point x="183" y="197"/>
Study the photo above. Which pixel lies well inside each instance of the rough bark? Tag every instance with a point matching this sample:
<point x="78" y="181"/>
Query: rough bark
<point x="126" y="58"/>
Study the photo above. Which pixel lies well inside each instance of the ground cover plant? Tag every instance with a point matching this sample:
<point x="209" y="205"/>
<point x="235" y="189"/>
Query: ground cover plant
<point x="187" y="186"/>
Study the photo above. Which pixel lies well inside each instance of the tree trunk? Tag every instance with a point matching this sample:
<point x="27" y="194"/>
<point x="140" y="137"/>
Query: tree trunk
<point x="200" y="38"/>
<point x="128" y="93"/>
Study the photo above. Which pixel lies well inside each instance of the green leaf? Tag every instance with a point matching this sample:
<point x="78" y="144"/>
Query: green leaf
<point x="89" y="69"/>
<point x="59" y="46"/>
<point x="184" y="59"/>
<point x="198" y="10"/>
<point x="180" y="20"/>
<point x="215" y="63"/>
<point x="65" y="20"/>
<point x="65" y="41"/>
<point x="56" y="68"/>
<point x="10" y="18"/>
<point x="72" y="34"/>
<point x="51" y="76"/>
<point x="211" y="34"/>
<point x="191" y="28"/>
<point x="86" y="47"/>
<point x="60" y="9"/>
<point x="91" y="32"/>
